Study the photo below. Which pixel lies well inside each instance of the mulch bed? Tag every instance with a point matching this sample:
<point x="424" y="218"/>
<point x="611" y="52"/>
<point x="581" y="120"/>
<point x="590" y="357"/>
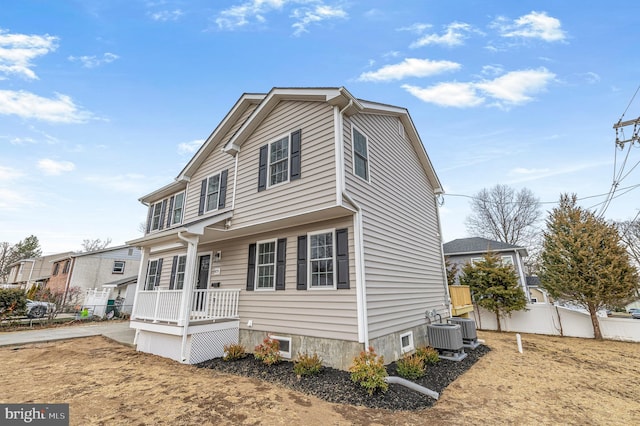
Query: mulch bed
<point x="336" y="386"/>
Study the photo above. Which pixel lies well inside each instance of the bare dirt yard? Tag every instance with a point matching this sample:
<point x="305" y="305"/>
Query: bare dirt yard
<point x="555" y="381"/>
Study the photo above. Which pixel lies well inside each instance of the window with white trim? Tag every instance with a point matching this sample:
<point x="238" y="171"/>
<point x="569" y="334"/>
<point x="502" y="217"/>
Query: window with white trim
<point x="118" y="267"/>
<point x="507" y="260"/>
<point x="266" y="265"/>
<point x="155" y="216"/>
<point x="321" y="260"/>
<point x="360" y="155"/>
<point x="181" y="266"/>
<point x="213" y="193"/>
<point x="178" y="205"/>
<point x="56" y="268"/>
<point x="284" y="344"/>
<point x="279" y="161"/>
<point x="152" y="275"/>
<point x="406" y="342"/>
<point x="475" y="260"/>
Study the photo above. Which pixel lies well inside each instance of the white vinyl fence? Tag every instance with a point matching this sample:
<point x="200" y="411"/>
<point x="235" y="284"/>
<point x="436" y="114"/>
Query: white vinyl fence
<point x="545" y="318"/>
<point x="96" y="301"/>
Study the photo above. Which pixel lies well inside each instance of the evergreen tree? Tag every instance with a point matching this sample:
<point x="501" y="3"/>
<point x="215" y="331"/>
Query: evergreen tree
<point x="494" y="286"/>
<point x="584" y="260"/>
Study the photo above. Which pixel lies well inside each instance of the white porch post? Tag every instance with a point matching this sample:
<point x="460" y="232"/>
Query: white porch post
<point x="142" y="275"/>
<point x="189" y="279"/>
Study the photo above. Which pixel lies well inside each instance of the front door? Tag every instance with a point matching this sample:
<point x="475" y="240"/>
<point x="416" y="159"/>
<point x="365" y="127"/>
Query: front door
<point x="203" y="281"/>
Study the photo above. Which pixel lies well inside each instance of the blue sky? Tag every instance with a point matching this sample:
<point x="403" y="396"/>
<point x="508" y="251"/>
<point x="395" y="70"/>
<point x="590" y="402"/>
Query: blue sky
<point x="102" y="102"/>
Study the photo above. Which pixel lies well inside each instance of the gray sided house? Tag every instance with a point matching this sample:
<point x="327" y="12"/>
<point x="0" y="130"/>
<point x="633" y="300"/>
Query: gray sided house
<point x="307" y="215"/>
<point x="468" y="250"/>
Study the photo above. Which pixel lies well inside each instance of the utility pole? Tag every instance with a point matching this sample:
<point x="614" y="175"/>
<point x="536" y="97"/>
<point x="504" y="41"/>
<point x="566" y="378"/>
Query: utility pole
<point x="635" y="136"/>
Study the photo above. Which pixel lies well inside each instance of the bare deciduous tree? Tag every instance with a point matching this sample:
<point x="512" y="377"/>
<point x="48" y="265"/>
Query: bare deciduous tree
<point x="96" y="244"/>
<point x="500" y="213"/>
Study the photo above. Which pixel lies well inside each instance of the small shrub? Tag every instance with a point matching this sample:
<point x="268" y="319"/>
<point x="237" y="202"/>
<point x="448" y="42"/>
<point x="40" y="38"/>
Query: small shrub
<point x="428" y="354"/>
<point x="369" y="371"/>
<point x="411" y="367"/>
<point x="233" y="352"/>
<point x="268" y="351"/>
<point x="307" y="365"/>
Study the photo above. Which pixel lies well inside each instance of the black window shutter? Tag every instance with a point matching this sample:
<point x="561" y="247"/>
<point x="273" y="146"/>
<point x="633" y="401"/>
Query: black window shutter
<point x="223" y="188"/>
<point x="149" y="217"/>
<point x="157" y="283"/>
<point x="251" y="268"/>
<point x="281" y="263"/>
<point x="203" y="194"/>
<point x="174" y="265"/>
<point x="163" y="211"/>
<point x="170" y="218"/>
<point x="146" y="279"/>
<point x="262" y="168"/>
<point x="342" y="257"/>
<point x="295" y="155"/>
<point x="302" y="263"/>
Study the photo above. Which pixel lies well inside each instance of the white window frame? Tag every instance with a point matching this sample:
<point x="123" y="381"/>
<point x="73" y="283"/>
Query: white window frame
<point x="353" y="153"/>
<point x="309" y="260"/>
<point x="288" y="160"/>
<point x="507" y="260"/>
<point x="176" y="207"/>
<point x="146" y="280"/>
<point x="120" y="270"/>
<point x="178" y="273"/>
<point x="258" y="264"/>
<point x="280" y="339"/>
<point x="410" y="347"/>
<point x="206" y="195"/>
<point x="155" y="225"/>
<point x="475" y="260"/>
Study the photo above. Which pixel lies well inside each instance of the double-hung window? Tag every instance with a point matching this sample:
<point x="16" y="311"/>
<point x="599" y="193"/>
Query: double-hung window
<point x="360" y="155"/>
<point x="181" y="265"/>
<point x="155" y="216"/>
<point x="153" y="275"/>
<point x="321" y="260"/>
<point x="279" y="161"/>
<point x="118" y="267"/>
<point x="178" y="206"/>
<point x="266" y="265"/>
<point x="212" y="193"/>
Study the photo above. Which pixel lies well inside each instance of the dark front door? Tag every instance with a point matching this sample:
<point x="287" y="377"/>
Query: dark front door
<point x="203" y="281"/>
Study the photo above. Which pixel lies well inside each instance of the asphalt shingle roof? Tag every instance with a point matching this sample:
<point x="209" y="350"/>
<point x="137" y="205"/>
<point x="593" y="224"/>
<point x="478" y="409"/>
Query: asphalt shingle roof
<point x="476" y="245"/>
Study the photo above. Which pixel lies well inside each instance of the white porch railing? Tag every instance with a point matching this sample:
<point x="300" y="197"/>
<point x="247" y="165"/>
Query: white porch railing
<point x="164" y="305"/>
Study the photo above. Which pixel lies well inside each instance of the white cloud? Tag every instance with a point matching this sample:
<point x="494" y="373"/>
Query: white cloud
<point x="130" y="183"/>
<point x="60" y="109"/>
<point x="528" y="175"/>
<point x="54" y="168"/>
<point x="94" y="61"/>
<point x="454" y="35"/>
<point x="185" y="148"/>
<point x="513" y="88"/>
<point x="534" y="25"/>
<point x="410" y="67"/>
<point x="319" y="13"/>
<point x="22" y="141"/>
<point x="459" y="95"/>
<point x="8" y="173"/>
<point x="492" y="70"/>
<point x="591" y="77"/>
<point x="18" y="50"/>
<point x="166" y="15"/>
<point x="417" y="28"/>
<point x="516" y="87"/>
<point x="525" y="171"/>
<point x="254" y="12"/>
<point x="11" y="199"/>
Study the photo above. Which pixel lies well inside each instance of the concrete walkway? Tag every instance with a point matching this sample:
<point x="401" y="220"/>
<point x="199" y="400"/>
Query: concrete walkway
<point x="116" y="330"/>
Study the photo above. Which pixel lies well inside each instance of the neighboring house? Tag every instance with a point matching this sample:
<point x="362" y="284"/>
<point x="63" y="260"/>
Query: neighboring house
<point x="123" y="292"/>
<point x="469" y="250"/>
<point x="26" y="273"/>
<point x="93" y="269"/>
<point x="537" y="293"/>
<point x="307" y="215"/>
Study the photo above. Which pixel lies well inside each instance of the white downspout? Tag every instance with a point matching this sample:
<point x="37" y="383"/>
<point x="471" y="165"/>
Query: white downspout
<point x="444" y="268"/>
<point x="187" y="290"/>
<point x="361" y="284"/>
<point x="142" y="275"/>
<point x="235" y="181"/>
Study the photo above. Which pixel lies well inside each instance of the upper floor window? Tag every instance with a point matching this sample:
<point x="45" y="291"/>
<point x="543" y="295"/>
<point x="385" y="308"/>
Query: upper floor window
<point x="360" y="155"/>
<point x="56" y="268"/>
<point x="66" y="267"/>
<point x="266" y="265"/>
<point x="118" y="267"/>
<point x="213" y="191"/>
<point x="156" y="215"/>
<point x="507" y="260"/>
<point x="176" y="211"/>
<point x="280" y="161"/>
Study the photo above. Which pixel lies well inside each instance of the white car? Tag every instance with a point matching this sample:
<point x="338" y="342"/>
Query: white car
<point x="37" y="309"/>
